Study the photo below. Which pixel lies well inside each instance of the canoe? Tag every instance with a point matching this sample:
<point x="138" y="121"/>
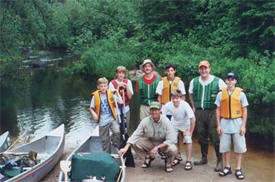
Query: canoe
<point x="49" y="149"/>
<point x="5" y="141"/>
<point x="92" y="144"/>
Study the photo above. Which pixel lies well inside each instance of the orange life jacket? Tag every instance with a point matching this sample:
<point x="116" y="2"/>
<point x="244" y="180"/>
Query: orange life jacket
<point x="167" y="88"/>
<point x="110" y="100"/>
<point x="115" y="84"/>
<point x="231" y="106"/>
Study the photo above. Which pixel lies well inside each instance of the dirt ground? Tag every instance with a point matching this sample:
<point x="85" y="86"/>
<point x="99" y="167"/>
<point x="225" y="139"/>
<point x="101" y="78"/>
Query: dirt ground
<point x="257" y="165"/>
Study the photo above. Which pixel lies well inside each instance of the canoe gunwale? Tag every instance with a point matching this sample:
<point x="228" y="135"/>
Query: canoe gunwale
<point x="59" y="148"/>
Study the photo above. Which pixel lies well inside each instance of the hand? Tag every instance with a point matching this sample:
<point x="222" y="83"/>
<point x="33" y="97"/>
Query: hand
<point x="242" y="130"/>
<point x="187" y="133"/>
<point x="219" y="130"/>
<point x="122" y="85"/>
<point x="96" y="119"/>
<point x="153" y="152"/>
<point x="122" y="151"/>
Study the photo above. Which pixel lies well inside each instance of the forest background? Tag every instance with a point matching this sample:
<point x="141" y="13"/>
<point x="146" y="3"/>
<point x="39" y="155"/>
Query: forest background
<point x="233" y="35"/>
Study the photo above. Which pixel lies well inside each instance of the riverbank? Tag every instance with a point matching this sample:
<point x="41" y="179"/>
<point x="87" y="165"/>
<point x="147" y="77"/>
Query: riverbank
<point x="258" y="166"/>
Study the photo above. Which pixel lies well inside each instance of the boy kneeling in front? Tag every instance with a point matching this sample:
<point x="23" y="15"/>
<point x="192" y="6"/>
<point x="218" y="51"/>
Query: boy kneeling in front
<point x="183" y="120"/>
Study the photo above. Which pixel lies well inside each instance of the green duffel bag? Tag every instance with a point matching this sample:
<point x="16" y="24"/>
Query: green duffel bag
<point x="101" y="165"/>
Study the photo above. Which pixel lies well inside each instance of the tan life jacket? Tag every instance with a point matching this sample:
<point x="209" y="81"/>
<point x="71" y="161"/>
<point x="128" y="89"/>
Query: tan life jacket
<point x="231" y="106"/>
<point x="110" y="99"/>
<point x="167" y="88"/>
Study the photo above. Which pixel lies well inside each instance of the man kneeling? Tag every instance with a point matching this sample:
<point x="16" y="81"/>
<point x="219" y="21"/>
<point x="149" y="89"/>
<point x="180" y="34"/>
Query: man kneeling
<point x="154" y="133"/>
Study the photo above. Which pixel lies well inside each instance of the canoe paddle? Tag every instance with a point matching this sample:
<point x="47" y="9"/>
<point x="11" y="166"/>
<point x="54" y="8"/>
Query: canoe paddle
<point x="65" y="167"/>
<point x="128" y="155"/>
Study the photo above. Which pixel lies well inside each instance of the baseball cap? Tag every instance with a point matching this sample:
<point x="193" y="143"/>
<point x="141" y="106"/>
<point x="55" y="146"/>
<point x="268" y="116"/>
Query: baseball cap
<point x="155" y="105"/>
<point x="231" y="75"/>
<point x="204" y="63"/>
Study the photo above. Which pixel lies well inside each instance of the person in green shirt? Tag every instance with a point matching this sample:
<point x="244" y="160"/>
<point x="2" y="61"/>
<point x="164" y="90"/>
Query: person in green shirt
<point x="202" y="93"/>
<point x="146" y="87"/>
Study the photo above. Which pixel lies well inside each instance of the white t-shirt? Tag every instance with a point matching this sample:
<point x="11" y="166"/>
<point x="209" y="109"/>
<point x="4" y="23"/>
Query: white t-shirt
<point x="181" y="115"/>
<point x="231" y="125"/>
<point x="211" y="78"/>
<point x="130" y="86"/>
<point x="160" y="87"/>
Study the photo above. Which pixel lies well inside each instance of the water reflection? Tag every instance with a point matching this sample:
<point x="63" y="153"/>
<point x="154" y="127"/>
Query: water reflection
<point x="45" y="99"/>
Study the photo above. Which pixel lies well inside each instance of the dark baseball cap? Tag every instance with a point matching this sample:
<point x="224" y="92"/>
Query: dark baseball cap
<point x="231" y="75"/>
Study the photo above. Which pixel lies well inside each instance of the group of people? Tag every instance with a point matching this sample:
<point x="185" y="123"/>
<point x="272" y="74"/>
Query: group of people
<point x="167" y="121"/>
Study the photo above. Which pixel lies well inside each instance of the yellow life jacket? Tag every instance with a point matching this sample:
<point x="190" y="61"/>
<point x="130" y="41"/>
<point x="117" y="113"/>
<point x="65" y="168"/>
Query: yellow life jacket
<point x="110" y="99"/>
<point x="231" y="106"/>
<point x="167" y="88"/>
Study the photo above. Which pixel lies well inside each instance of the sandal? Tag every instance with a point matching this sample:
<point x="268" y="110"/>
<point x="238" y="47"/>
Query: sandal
<point x="162" y="155"/>
<point x="175" y="162"/>
<point x="147" y="162"/>
<point x="188" y="165"/>
<point x="168" y="168"/>
<point x="239" y="174"/>
<point x="225" y="171"/>
<point x="178" y="156"/>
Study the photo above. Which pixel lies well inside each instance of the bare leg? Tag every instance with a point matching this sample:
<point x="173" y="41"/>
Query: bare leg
<point x="238" y="160"/>
<point x="188" y="151"/>
<point x="227" y="159"/>
<point x="180" y="143"/>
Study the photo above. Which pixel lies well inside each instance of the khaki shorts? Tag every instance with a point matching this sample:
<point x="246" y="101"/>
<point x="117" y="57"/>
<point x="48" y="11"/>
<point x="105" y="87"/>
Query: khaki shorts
<point x="238" y="142"/>
<point x="186" y="139"/>
<point x="144" y="111"/>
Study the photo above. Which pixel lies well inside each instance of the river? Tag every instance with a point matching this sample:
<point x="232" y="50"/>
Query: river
<point x="34" y="101"/>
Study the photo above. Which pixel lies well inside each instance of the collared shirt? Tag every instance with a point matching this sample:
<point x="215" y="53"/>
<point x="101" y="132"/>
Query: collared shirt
<point x="211" y="78"/>
<point x="162" y="131"/>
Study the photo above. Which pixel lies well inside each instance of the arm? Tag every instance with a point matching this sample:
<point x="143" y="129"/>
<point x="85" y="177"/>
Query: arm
<point x="154" y="151"/>
<point x="94" y="115"/>
<point x="182" y="89"/>
<point x="128" y="93"/>
<point x="124" y="149"/>
<point x="244" y="119"/>
<point x="159" y="99"/>
<point x="218" y="120"/>
<point x="192" y="102"/>
<point x="127" y="88"/>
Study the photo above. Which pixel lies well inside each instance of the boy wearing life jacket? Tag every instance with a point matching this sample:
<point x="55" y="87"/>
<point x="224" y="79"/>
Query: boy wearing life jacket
<point x="125" y="90"/>
<point x="102" y="109"/>
<point x="202" y="93"/>
<point x="146" y="87"/>
<point x="168" y="83"/>
<point x="183" y="120"/>
<point x="231" y="123"/>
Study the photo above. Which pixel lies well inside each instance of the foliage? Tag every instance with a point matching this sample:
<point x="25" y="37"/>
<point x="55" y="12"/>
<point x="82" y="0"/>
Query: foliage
<point x="103" y="56"/>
